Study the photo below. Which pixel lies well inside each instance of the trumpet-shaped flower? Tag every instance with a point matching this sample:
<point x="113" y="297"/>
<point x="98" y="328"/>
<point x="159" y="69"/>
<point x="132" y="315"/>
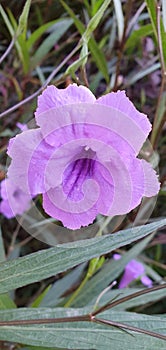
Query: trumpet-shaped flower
<point x="133" y="270"/>
<point x="82" y="157"/>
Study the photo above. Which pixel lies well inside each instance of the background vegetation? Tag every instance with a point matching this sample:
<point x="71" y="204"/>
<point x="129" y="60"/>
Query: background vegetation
<point x="106" y="46"/>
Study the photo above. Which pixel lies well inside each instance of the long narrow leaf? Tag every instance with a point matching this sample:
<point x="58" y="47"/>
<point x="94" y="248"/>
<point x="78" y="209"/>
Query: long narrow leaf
<point x="97" y="54"/>
<point x="83" y="335"/>
<point x="38" y="33"/>
<point x="108" y="274"/>
<point x="49" y="262"/>
<point x="61" y="27"/>
<point x="93" y="23"/>
<point x="119" y="17"/>
<point x="23" y="20"/>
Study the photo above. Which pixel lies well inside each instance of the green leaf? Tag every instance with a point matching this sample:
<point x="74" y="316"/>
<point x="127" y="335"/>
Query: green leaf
<point x="138" y="34"/>
<point x="39" y="299"/>
<point x="158" y="122"/>
<point x="99" y="58"/>
<point x="79" y="25"/>
<point x="20" y="42"/>
<point x="83" y="335"/>
<point x="164" y="13"/>
<point x="108" y="274"/>
<point x="22" y="24"/>
<point x="7" y="21"/>
<point x="2" y="250"/>
<point x="49" y="262"/>
<point x="95" y="6"/>
<point x="120" y="18"/>
<point x="61" y="286"/>
<point x="84" y="53"/>
<point x="151" y="5"/>
<point x="12" y="20"/>
<point x="135" y="76"/>
<point x="97" y="54"/>
<point x="144" y="300"/>
<point x="93" y="23"/>
<point x="38" y="33"/>
<point x="152" y="9"/>
<point x="59" y="29"/>
<point x="5" y="301"/>
<point x="77" y="64"/>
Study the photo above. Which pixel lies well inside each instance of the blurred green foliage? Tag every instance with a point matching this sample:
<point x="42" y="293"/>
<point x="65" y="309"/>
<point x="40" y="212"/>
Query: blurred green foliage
<point x="112" y="45"/>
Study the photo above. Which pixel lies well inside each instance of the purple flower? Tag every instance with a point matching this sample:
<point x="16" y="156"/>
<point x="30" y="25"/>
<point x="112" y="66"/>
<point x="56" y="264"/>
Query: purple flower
<point x="133" y="270"/>
<point x="21" y="126"/>
<point x="82" y="158"/>
<point x="13" y="200"/>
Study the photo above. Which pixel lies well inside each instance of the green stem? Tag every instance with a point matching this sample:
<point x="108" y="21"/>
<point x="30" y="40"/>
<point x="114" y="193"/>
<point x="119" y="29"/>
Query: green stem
<point x="160" y="115"/>
<point x="77" y="291"/>
<point x="92" y="267"/>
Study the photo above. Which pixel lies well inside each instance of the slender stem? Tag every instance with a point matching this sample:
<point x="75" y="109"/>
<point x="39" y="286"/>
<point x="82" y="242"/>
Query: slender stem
<point x="51" y="76"/>
<point x="91" y="317"/>
<point x="14" y="237"/>
<point x="103" y="292"/>
<point x="151" y="261"/>
<point x="8" y="50"/>
<point x="77" y="291"/>
<point x="135" y="18"/>
<point x="128" y="327"/>
<point x="81" y="318"/>
<point x="89" y="272"/>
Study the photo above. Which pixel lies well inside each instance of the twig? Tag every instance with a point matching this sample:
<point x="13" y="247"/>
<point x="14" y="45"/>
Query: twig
<point x="91" y="317"/>
<point x="130" y="328"/>
<point x="8" y="50"/>
<point x="51" y="76"/>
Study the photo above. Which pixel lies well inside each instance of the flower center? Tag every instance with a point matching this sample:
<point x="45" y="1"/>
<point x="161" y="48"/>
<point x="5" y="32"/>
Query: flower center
<point x="77" y="173"/>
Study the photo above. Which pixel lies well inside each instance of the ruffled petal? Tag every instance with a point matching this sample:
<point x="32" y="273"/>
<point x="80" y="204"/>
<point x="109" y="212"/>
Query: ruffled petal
<point x="80" y="120"/>
<point x="152" y="185"/>
<point x="72" y="214"/>
<point x="118" y="100"/>
<point x="53" y="97"/>
<point x="30" y="154"/>
<point x="83" y="156"/>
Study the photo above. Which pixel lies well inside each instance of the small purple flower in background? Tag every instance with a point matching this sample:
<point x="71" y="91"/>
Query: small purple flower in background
<point x="82" y="158"/>
<point x="133" y="271"/>
<point x="13" y="200"/>
<point x="21" y="126"/>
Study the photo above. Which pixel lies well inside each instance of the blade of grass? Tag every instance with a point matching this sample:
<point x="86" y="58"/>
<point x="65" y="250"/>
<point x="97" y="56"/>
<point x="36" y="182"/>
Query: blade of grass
<point x="61" y="27"/>
<point x="23" y="20"/>
<point x="19" y="42"/>
<point x="38" y="33"/>
<point x="164" y="13"/>
<point x="120" y="18"/>
<point x="97" y="54"/>
<point x="93" y="23"/>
